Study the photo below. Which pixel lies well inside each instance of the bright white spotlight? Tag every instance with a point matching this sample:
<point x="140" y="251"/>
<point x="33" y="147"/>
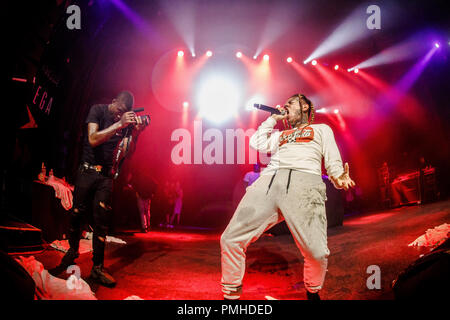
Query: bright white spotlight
<point x="218" y="98"/>
<point x="321" y="110"/>
<point x="257" y="98"/>
<point x="436" y="45"/>
<point x="314" y="62"/>
<point x="185" y="104"/>
<point x="254" y="57"/>
<point x="289" y="59"/>
<point x="209" y="53"/>
<point x="336" y="67"/>
<point x="193" y="54"/>
<point x="336" y="111"/>
<point x="239" y="54"/>
<point x="180" y="53"/>
<point x="266" y="57"/>
<point x="356" y="70"/>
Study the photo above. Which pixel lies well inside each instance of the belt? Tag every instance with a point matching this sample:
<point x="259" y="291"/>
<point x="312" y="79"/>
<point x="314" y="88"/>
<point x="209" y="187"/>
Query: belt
<point x="97" y="168"/>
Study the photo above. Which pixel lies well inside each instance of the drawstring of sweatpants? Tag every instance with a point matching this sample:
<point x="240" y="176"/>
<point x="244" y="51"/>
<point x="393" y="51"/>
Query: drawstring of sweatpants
<point x="271" y="180"/>
<point x="289" y="181"/>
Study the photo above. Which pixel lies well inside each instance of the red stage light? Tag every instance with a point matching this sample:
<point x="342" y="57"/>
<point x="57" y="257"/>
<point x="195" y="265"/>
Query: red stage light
<point x="208" y="53"/>
<point x="314" y="62"/>
<point x="289" y="59"/>
<point x="336" y="67"/>
<point x="266" y="57"/>
<point x="180" y="53"/>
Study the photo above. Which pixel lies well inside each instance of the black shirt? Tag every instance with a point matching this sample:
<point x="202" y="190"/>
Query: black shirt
<point x="103" y="153"/>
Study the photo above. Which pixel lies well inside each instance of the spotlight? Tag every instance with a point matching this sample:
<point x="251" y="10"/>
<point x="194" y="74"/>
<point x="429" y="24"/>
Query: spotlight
<point x="185" y="104"/>
<point x="180" y="53"/>
<point x="266" y="57"/>
<point x="226" y="94"/>
<point x="289" y="59"/>
<point x="254" y="57"/>
<point x="305" y="62"/>
<point x="336" y="67"/>
<point x="356" y="70"/>
<point x="278" y="106"/>
<point x="436" y="45"/>
<point x="314" y="62"/>
<point x="336" y="111"/>
<point x="209" y="53"/>
<point x="239" y="54"/>
<point x="193" y="54"/>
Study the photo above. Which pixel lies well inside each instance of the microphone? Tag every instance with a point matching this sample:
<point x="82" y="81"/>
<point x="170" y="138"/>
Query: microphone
<point x="268" y="109"/>
<point x="137" y="110"/>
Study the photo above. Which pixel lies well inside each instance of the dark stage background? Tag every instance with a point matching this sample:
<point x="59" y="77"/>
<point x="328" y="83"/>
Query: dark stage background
<point x="132" y="45"/>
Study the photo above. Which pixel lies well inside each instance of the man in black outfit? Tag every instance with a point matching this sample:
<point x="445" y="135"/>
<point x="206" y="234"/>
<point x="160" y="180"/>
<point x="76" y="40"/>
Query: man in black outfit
<point x="105" y="124"/>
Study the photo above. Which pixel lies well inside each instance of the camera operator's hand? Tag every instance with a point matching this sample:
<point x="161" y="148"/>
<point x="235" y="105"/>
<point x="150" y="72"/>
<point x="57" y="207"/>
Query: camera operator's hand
<point x="140" y="125"/>
<point x="127" y="119"/>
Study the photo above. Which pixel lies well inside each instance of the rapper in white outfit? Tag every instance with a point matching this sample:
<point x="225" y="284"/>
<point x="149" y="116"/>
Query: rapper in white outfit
<point x="290" y="188"/>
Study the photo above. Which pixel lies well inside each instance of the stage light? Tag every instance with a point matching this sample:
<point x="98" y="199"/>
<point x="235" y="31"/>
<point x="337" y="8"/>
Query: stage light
<point x="314" y="62"/>
<point x="185" y="104"/>
<point x="356" y="70"/>
<point x="278" y="106"/>
<point x="289" y="59"/>
<point x="209" y="53"/>
<point x="266" y="57"/>
<point x="218" y="98"/>
<point x="321" y="110"/>
<point x="254" y="57"/>
<point x="436" y="45"/>
<point x="349" y="31"/>
<point x="336" y="67"/>
<point x="336" y="111"/>
<point x="180" y="53"/>
<point x="193" y="54"/>
<point x="239" y="54"/>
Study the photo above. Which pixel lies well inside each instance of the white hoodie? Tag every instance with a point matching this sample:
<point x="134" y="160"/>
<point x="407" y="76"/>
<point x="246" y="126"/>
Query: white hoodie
<point x="298" y="149"/>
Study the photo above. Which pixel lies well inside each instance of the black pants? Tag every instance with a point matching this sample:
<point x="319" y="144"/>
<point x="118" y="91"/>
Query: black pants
<point x="94" y="189"/>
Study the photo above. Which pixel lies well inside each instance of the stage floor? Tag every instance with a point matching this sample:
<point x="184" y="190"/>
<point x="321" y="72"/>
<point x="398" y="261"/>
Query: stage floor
<point x="184" y="264"/>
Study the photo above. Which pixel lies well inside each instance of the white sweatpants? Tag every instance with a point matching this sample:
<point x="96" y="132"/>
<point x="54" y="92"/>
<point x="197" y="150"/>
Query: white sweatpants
<point x="300" y="197"/>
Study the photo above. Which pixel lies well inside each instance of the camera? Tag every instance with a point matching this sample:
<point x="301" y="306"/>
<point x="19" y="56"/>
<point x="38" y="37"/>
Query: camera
<point x="145" y="119"/>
